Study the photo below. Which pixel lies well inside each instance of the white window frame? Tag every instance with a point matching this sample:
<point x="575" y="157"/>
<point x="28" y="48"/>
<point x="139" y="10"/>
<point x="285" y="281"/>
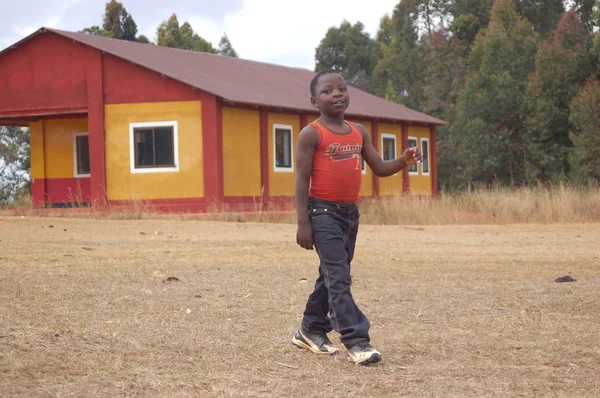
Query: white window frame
<point x="413" y="173"/>
<point x="428" y="158"/>
<point x="291" y="130"/>
<point x="75" y="173"/>
<point x="171" y="123"/>
<point x="392" y="136"/>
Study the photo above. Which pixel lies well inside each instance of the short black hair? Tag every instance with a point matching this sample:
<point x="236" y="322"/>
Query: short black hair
<point x="315" y="80"/>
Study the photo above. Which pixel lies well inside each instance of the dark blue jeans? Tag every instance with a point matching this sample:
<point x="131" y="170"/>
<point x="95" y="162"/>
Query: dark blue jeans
<point x="335" y="228"/>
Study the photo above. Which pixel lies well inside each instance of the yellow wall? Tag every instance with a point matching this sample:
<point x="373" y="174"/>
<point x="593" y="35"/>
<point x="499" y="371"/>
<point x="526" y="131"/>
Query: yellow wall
<point x="52" y="147"/>
<point x="366" y="188"/>
<point x="282" y="183"/>
<point x="391" y="185"/>
<point x="241" y="152"/>
<point x="420" y="184"/>
<point x="188" y="182"/>
<point x="36" y="142"/>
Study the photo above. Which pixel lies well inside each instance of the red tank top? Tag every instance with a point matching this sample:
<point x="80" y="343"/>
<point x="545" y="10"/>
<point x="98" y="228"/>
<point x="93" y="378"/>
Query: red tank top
<point x="337" y="166"/>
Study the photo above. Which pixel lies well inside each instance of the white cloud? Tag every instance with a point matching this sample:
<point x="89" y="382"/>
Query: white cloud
<point x="276" y="31"/>
<point x="288" y="32"/>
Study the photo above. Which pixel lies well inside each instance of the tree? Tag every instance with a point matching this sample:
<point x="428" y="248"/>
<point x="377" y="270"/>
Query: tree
<point x="170" y="34"/>
<point x="563" y="64"/>
<point x="490" y="122"/>
<point x="398" y="76"/>
<point x="585" y="119"/>
<point x="385" y="34"/>
<point x="478" y="10"/>
<point x="543" y="14"/>
<point x="117" y="23"/>
<point x="349" y="50"/>
<point x="444" y="79"/>
<point x="586" y="10"/>
<point x="15" y="163"/>
<point x="94" y="30"/>
<point x="225" y="47"/>
<point x="143" y="39"/>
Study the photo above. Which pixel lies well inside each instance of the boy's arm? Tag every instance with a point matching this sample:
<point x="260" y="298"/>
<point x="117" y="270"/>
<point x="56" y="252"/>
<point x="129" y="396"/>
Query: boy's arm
<point x="308" y="140"/>
<point x="384" y="168"/>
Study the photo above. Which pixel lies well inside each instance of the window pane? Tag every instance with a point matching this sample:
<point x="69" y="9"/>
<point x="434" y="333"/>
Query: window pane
<point x="163" y="140"/>
<point x="83" y="154"/>
<point x="283" y="148"/>
<point x="389" y="149"/>
<point x="144" y="147"/>
<point x="411" y="143"/>
<point x="425" y="149"/>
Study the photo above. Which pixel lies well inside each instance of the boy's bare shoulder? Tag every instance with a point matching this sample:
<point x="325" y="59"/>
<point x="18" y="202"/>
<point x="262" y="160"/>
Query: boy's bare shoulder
<point x="361" y="128"/>
<point x="310" y="133"/>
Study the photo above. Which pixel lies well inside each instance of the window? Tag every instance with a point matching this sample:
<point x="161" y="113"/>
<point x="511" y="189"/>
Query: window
<point x="425" y="149"/>
<point x="388" y="145"/>
<point x="81" y="155"/>
<point x="154" y="147"/>
<point x="413" y="168"/>
<point x="282" y="146"/>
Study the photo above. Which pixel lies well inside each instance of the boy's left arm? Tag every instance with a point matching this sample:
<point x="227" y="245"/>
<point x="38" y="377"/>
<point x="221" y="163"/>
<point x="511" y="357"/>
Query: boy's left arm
<point x="385" y="168"/>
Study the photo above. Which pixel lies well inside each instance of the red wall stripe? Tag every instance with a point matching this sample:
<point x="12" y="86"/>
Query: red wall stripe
<point x="405" y="175"/>
<point x="375" y="142"/>
<point x="264" y="155"/>
<point x="95" y="100"/>
<point x="433" y="160"/>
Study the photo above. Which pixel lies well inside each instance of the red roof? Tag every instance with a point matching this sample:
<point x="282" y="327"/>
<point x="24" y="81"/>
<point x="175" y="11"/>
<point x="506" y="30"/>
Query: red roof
<point x="239" y="80"/>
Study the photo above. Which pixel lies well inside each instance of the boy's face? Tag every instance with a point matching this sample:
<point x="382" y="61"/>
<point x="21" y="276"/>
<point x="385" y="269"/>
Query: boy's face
<point x="331" y="95"/>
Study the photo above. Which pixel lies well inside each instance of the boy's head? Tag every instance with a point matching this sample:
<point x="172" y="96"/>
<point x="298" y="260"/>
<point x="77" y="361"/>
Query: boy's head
<point x="329" y="93"/>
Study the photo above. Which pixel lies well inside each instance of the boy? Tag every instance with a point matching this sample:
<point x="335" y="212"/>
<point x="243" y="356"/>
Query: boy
<point x="328" y="180"/>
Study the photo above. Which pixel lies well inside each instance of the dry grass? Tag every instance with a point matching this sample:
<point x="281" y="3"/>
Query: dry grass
<point x="455" y="310"/>
<point x="537" y="205"/>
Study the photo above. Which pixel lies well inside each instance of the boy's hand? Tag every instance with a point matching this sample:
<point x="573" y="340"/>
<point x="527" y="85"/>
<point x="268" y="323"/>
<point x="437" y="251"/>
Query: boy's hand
<point x="304" y="236"/>
<point x="412" y="156"/>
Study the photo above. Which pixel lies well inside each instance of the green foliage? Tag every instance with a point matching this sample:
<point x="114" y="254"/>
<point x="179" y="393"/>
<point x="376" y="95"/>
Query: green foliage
<point x="170" y="34"/>
<point x="399" y="75"/>
<point x="585" y="119"/>
<point x="490" y="124"/>
<point x="351" y="51"/>
<point x="563" y="64"/>
<point x="479" y="9"/>
<point x="543" y="14"/>
<point x="225" y="47"/>
<point x="466" y="27"/>
<point x="117" y="23"/>
<point x="15" y="163"/>
<point x="94" y="30"/>
<point x="587" y="10"/>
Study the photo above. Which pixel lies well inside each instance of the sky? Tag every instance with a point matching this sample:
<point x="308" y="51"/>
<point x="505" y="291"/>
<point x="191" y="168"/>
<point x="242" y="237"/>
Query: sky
<point x="283" y="32"/>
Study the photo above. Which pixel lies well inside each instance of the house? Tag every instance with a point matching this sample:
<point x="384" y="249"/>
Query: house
<point x="114" y="121"/>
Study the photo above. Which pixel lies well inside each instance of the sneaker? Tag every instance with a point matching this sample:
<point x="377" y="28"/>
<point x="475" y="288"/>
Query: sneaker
<point x="363" y="353"/>
<point x="317" y="343"/>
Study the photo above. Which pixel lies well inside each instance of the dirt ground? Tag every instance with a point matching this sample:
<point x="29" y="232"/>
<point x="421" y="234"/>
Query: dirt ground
<point x="86" y="310"/>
